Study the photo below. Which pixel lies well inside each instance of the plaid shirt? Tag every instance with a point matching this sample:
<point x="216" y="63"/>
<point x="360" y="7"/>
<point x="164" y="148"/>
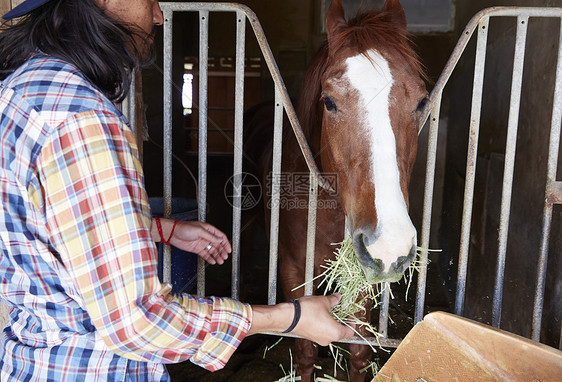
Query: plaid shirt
<point x="77" y="262"/>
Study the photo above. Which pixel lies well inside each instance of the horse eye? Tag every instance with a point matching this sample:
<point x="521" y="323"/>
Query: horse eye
<point x="330" y="104"/>
<point x="422" y="103"/>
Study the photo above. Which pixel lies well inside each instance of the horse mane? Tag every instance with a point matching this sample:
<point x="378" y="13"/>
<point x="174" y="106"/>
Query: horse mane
<point x="367" y="30"/>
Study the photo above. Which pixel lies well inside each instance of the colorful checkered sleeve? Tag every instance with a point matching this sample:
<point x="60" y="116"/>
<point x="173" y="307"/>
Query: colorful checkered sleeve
<point x="98" y="218"/>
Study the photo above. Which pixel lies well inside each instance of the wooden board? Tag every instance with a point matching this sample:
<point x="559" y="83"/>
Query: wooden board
<point x="445" y="347"/>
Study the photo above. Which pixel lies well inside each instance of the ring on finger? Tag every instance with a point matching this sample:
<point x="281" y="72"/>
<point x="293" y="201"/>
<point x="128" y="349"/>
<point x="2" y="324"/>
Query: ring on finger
<point x="209" y="246"/>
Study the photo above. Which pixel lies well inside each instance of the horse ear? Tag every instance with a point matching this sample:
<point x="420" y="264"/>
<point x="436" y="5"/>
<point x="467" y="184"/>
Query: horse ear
<point x="397" y="11"/>
<point x="335" y="19"/>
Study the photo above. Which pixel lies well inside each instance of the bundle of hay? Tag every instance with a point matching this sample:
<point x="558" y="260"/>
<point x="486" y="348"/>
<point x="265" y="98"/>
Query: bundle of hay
<point x="344" y="275"/>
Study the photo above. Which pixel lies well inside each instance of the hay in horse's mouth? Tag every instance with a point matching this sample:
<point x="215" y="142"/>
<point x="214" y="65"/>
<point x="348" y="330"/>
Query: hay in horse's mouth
<point x="346" y="275"/>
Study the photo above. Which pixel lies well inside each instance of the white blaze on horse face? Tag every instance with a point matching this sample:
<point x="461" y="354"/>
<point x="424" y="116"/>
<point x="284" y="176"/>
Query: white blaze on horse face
<point x="395" y="234"/>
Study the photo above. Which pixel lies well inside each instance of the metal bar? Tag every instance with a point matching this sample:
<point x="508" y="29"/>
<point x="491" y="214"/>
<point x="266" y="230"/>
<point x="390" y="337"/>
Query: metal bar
<point x="167" y="139"/>
<point x="490" y="12"/>
<point x="427" y="208"/>
<point x="374" y="341"/>
<point x="311" y="235"/>
<point x="465" y="38"/>
<point x="275" y="196"/>
<point x="203" y="102"/>
<point x="131" y="115"/>
<point x="523" y="11"/>
<point x="555" y="192"/>
<point x="471" y="162"/>
<point x="238" y="147"/>
<point x="552" y="196"/>
<point x="509" y="165"/>
<point x="383" y="313"/>
<point x="208" y="7"/>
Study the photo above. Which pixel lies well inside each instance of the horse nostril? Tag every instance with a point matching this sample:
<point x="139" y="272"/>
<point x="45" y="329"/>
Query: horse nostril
<point x="360" y="248"/>
<point x="401" y="261"/>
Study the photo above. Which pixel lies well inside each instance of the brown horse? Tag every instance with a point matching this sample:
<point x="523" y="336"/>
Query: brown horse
<point x="359" y="107"/>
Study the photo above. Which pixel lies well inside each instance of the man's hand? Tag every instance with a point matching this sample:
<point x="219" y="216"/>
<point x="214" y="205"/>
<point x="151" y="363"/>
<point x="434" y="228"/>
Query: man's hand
<point x="192" y="236"/>
<point x="315" y="324"/>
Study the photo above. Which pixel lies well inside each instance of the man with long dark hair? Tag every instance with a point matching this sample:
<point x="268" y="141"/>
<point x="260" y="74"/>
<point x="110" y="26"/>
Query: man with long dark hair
<point x="77" y="242"/>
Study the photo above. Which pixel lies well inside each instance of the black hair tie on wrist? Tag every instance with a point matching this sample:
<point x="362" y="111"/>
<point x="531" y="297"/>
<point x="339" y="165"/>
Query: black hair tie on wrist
<point x="297" y="315"/>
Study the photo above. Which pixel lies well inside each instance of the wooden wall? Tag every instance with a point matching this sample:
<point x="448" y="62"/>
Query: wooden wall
<point x="6" y="5"/>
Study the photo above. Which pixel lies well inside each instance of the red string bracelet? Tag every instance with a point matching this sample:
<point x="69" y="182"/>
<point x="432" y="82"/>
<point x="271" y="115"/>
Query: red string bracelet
<point x="159" y="226"/>
<point x="171" y="233"/>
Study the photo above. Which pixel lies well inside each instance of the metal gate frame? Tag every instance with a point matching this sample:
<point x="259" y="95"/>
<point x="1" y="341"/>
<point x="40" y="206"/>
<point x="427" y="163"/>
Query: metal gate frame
<point x="477" y="25"/>
<point x="553" y="189"/>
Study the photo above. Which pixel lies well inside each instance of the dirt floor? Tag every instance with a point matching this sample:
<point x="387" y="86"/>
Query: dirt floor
<point x="261" y="359"/>
<point x="265" y="358"/>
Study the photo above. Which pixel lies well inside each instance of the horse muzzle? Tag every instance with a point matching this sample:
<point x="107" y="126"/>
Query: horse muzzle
<point x="380" y="260"/>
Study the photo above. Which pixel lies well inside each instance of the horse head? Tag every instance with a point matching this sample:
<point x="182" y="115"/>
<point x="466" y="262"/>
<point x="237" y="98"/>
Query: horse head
<point x="372" y="92"/>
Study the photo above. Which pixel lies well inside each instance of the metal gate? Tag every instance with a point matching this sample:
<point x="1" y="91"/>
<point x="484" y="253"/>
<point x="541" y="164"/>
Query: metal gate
<point x="553" y="189"/>
<point x="477" y="26"/>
